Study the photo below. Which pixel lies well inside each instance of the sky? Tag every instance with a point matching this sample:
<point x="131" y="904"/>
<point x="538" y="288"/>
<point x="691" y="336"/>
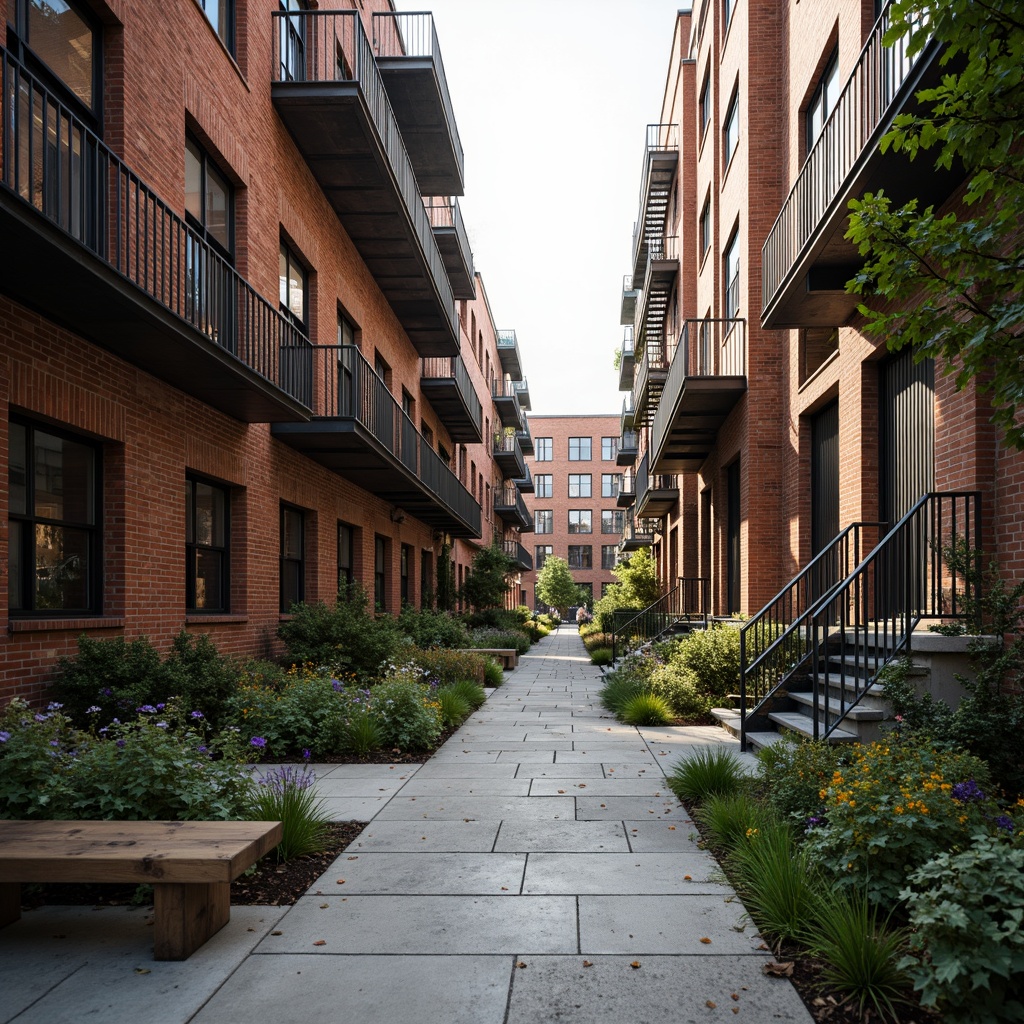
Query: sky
<point x="552" y="99"/>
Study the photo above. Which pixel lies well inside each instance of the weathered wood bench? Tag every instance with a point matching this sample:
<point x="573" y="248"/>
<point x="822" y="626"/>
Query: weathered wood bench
<point x="190" y="865"/>
<point x="508" y="656"/>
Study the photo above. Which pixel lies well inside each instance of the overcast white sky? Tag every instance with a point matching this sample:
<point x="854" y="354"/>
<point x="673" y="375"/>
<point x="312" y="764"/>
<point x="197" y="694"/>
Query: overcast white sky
<point x="552" y="98"/>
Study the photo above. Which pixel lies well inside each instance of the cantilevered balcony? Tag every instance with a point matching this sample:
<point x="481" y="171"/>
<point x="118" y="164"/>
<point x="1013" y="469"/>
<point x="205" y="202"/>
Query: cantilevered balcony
<point x="508" y="354"/>
<point x="446" y="385"/>
<point x="522" y="389"/>
<point x="661" y="158"/>
<point x="649" y="380"/>
<point x="706" y="380"/>
<point x="518" y="554"/>
<point x="657" y="494"/>
<point x="626" y="416"/>
<point x="90" y="246"/>
<point x="508" y="454"/>
<point x="506" y="401"/>
<point x="526" y="483"/>
<point x="510" y="507"/>
<point x="626" y="361"/>
<point x="453" y="243"/>
<point x="329" y="94"/>
<point x="627" y="489"/>
<point x="361" y="433"/>
<point x="525" y="437"/>
<point x="636" y="533"/>
<point x="629" y="294"/>
<point x="627" y="448"/>
<point x="805" y="260"/>
<point x="409" y="60"/>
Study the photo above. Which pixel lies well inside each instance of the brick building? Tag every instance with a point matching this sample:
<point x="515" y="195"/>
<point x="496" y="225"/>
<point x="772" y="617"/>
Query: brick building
<point x="575" y="504"/>
<point x="243" y="352"/>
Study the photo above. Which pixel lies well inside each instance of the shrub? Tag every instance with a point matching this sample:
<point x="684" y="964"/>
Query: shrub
<point x="646" y="709"/>
<point x="446" y="666"/>
<point x="487" y="636"/>
<point x="454" y="707"/>
<point x="794" y="772"/>
<point x="406" y="710"/>
<point x="713" y="656"/>
<point x="199" y="676"/>
<point x="678" y="686"/>
<point x="710" y="772"/>
<point x="473" y="694"/>
<point x="286" y="794"/>
<point x="494" y="674"/>
<point x="428" y="628"/>
<point x="967" y="910"/>
<point x="601" y="655"/>
<point x="534" y="630"/>
<point x="361" y="732"/>
<point x="618" y="690"/>
<point x="728" y="818"/>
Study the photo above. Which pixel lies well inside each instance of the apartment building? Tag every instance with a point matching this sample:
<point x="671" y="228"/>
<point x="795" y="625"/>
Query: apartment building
<point x="244" y="355"/>
<point x="575" y="506"/>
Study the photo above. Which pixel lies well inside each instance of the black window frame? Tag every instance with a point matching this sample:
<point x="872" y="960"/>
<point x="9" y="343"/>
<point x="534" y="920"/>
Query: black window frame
<point x="609" y="556"/>
<point x="544" y="447"/>
<point x="581" y="485"/>
<point x="298" y="564"/>
<point x="193" y="547"/>
<point x="731" y="281"/>
<point x="584" y="518"/>
<point x="705" y="226"/>
<point x="705" y="105"/>
<point x="609" y="449"/>
<point x="404" y="574"/>
<point x="346" y="554"/>
<point x="584" y="556"/>
<point x="732" y="119"/>
<point x="200" y="224"/>
<point x="225" y="34"/>
<point x="290" y="257"/>
<point x="611" y="484"/>
<point x="542" y="552"/>
<point x="577" y="443"/>
<point x="827" y="82"/>
<point x="543" y="516"/>
<point x="544" y="485"/>
<point x="617" y="521"/>
<point x="380" y="573"/>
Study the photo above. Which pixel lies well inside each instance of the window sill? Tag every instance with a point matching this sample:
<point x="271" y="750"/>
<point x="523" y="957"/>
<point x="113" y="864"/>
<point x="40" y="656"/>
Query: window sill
<point x="64" y="625"/>
<point x="214" y="618"/>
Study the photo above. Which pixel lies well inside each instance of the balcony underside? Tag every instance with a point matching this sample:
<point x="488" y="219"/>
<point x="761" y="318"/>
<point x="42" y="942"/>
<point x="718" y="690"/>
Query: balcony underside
<point x="657" y="502"/>
<point x="415" y="95"/>
<point x="460" y="271"/>
<point x="333" y="130"/>
<point x="48" y="271"/>
<point x="508" y="355"/>
<point x="525" y="442"/>
<point x="514" y="515"/>
<point x="699" y="411"/>
<point x="627" y="363"/>
<point x="660" y="170"/>
<point x="526" y="485"/>
<point x="511" y="464"/>
<point x="509" y="411"/>
<point x="625" y="498"/>
<point x="636" y="542"/>
<point x="522" y="390"/>
<point x="647" y="394"/>
<point x="628" y="314"/>
<point x="345" y="447"/>
<point x="626" y="456"/>
<point x="445" y="395"/>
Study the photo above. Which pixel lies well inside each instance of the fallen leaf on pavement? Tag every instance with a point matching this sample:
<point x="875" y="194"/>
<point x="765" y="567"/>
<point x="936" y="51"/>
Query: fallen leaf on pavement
<point x="778" y="970"/>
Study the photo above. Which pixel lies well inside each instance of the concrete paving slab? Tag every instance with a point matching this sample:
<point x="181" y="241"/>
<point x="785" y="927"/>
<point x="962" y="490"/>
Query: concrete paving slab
<point x="662" y="989"/>
<point x="369" y="771"/>
<point x="366" y="788"/>
<point x="661" y="837"/>
<point x="604" y="752"/>
<point x="560" y="771"/>
<point x="410" y="924"/>
<point x="352" y="808"/>
<point x="530" y="756"/>
<point x="428" y="836"/>
<point x="366" y="989"/>
<point x="456" y="808"/>
<point x="633" y="770"/>
<point x="561" y="837"/>
<point x="649" y="785"/>
<point x="458" y="755"/>
<point x="622" y="873"/>
<point x="465" y="770"/>
<point x="619" y="808"/>
<point x="437" y="786"/>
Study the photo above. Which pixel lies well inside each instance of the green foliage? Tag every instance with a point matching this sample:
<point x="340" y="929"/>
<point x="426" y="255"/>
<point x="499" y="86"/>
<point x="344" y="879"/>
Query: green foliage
<point x="636" y="586"/>
<point x="729" y="819"/>
<point x="707" y="773"/>
<point x="949" y="284"/>
<point x="454" y="707"/>
<point x="619" y="688"/>
<point x="470" y="692"/>
<point x="445" y="579"/>
<point x="343" y="636"/>
<point x="645" y="708"/>
<point x="534" y="630"/>
<point x="428" y="628"/>
<point x="447" y="666"/>
<point x="555" y="585"/>
<point x="967" y="910"/>
<point x="406" y="710"/>
<point x="287" y="795"/>
<point x="794" y="771"/>
<point x="679" y="686"/>
<point x="494" y="674"/>
<point x="601" y="655"/>
<point x="713" y="657"/>
<point x="361" y="732"/>
<point x="488" y="579"/>
<point x="199" y="676"/>
<point x="500" y="639"/>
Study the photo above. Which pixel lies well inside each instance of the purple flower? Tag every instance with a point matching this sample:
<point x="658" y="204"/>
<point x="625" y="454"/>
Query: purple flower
<point x="967" y="792"/>
<point x="258" y="741"/>
<point x="148" y="709"/>
<point x="202" y="750"/>
<point x="337" y="685"/>
<point x="104" y="731"/>
<point x="1004" y="822"/>
<point x="54" y="706"/>
<point x="122" y="744"/>
<point x="94" y="710"/>
<point x="107" y="691"/>
<point x="40" y="718"/>
<point x="305" y="755"/>
<point x="196" y="714"/>
<point x="160" y="707"/>
<point x="161" y="725"/>
<point x="54" y="743"/>
<point x="4" y="736"/>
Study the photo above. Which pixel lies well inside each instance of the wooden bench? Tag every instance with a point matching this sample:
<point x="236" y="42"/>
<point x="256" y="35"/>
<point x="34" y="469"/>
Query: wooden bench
<point x="190" y="865"/>
<point x="508" y="656"/>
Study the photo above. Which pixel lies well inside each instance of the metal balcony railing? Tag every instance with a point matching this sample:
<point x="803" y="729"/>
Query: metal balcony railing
<point x="516" y="551"/>
<point x="509" y="496"/>
<point x="453" y="368"/>
<point x="53" y="162"/>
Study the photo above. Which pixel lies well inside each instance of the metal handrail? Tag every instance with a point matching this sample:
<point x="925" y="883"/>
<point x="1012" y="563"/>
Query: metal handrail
<point x="689" y="601"/>
<point x="445" y="212"/>
<point x="454" y="368"/>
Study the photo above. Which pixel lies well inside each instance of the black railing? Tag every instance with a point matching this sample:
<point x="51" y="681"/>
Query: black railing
<point x="444" y="212"/>
<point x="856" y="125"/>
<point x="660" y="139"/>
<point x="54" y="163"/>
<point x="518" y="553"/>
<point x="687" y="605"/>
<point x="628" y="439"/>
<point x="508" y="496"/>
<point x="453" y="368"/>
<point x="502" y="387"/>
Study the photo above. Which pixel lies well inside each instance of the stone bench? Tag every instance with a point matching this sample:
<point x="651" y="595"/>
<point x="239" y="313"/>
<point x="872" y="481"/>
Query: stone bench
<point x="508" y="656"/>
<point x="190" y="865"/>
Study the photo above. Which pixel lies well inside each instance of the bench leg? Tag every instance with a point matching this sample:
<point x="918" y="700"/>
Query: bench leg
<point x="186" y="915"/>
<point x="10" y="903"/>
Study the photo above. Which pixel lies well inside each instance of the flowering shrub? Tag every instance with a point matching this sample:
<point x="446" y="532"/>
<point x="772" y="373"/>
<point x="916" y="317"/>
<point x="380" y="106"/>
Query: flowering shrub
<point x="406" y="709"/>
<point x="487" y="636"/>
<point x="287" y="794"/>
<point x="446" y="666"/>
<point x="794" y="772"/>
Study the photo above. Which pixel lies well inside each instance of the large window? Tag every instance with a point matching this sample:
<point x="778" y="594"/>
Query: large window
<point x="580" y="556"/>
<point x="542" y="485"/>
<point x="293" y="556"/>
<point x="540" y="554"/>
<point x="579" y="485"/>
<point x="542" y="446"/>
<point x="705" y="103"/>
<point x="380" y="573"/>
<point x="294" y="286"/>
<point x="53" y="493"/>
<point x="221" y="15"/>
<point x="823" y="101"/>
<point x="610" y="484"/>
<point x="609" y="556"/>
<point x="346" y="555"/>
<point x="292" y="42"/>
<point x="731" y="273"/>
<point x="543" y="521"/>
<point x="705" y="226"/>
<point x="581" y="520"/>
<point x="609" y="449"/>
<point x="405" y="558"/>
<point x="731" y="130"/>
<point x="611" y="522"/>
<point x="579" y="449"/>
<point x="206" y="546"/>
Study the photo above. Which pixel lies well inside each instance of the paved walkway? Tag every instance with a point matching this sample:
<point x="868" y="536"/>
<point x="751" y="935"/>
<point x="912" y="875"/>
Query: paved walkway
<point x="536" y="869"/>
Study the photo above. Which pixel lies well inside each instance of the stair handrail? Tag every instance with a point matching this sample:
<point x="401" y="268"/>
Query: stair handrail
<point x="788" y="610"/>
<point x="693" y="594"/>
<point x="916" y="548"/>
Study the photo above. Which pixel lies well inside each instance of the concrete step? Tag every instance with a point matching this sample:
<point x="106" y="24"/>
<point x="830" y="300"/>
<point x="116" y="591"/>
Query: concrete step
<point x="854" y="714"/>
<point x="804" y="725"/>
<point x="758" y="740"/>
<point x="872" y="696"/>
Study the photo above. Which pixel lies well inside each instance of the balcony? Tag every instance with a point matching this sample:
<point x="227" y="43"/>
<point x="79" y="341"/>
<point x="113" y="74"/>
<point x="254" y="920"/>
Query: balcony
<point x="508" y="354"/>
<point x="649" y="381"/>
<point x="705" y="382"/>
<point x="329" y="94"/>
<point x="506" y="401"/>
<point x="361" y="433"/>
<point x="518" y="554"/>
<point x="626" y="417"/>
<point x="508" y="454"/>
<point x="627" y="490"/>
<point x="806" y="261"/>
<point x="661" y="158"/>
<point x="525" y="485"/>
<point x="629" y="295"/>
<point x="525" y="438"/>
<point x="453" y="243"/>
<point x="636" y="533"/>
<point x="627" y="449"/>
<point x="626" y="361"/>
<point x="446" y="385"/>
<point x="409" y="61"/>
<point x="510" y="507"/>
<point x="522" y="388"/>
<point x="93" y="248"/>
<point x="656" y="494"/>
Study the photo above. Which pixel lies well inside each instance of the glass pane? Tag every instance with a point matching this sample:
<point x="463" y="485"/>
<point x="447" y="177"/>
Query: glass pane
<point x="62" y="568"/>
<point x="291" y="584"/>
<point x="282" y="271"/>
<point x="210" y="517"/>
<point x="65" y="42"/>
<point x="190" y="511"/>
<point x="297" y="292"/>
<point x="193" y="180"/>
<point x="15" y="567"/>
<point x="291" y="534"/>
<point x="17" y="469"/>
<point x="64" y="472"/>
<point x="218" y="214"/>
<point x="209" y="580"/>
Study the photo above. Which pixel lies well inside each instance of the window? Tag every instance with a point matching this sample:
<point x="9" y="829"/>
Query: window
<point x="579" y="485"/>
<point x="543" y="521"/>
<point x="580" y="556"/>
<point x="579" y="449"/>
<point x="543" y="448"/>
<point x="54" y="495"/>
<point x="731" y="131"/>
<point x="292" y="42"/>
<point x="610" y="483"/>
<point x="221" y="15"/>
<point x="705" y="226"/>
<point x="580" y="520"/>
<point x="609" y="449"/>
<point x="346" y="555"/>
<point x="823" y="101"/>
<point x="540" y="554"/>
<point x="728" y="8"/>
<point x="609" y="556"/>
<point x="209" y="200"/>
<point x="405" y="557"/>
<point x="206" y="546"/>
<point x="731" y="270"/>
<point x="426" y="579"/>
<point x="816" y="345"/>
<point x="611" y="522"/>
<point x="380" y="573"/>
<point x="542" y="485"/>
<point x="346" y="330"/>
<point x="293" y="557"/>
<point x="294" y="285"/>
<point x="705" y="103"/>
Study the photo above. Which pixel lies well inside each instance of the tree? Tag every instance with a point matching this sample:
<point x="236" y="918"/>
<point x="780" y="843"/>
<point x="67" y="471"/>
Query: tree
<point x="949" y="284"/>
<point x="487" y="582"/>
<point x="555" y="585"/>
